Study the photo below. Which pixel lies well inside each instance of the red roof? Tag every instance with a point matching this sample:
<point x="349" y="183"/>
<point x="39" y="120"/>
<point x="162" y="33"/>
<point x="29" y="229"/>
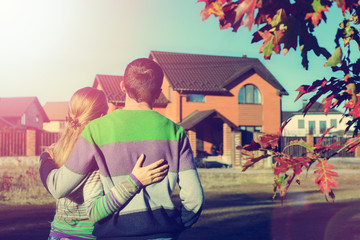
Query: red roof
<point x="56" y="111"/>
<point x="14" y="107"/>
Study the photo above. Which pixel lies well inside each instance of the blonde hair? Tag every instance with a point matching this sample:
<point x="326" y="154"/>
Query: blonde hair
<point x="85" y="105"/>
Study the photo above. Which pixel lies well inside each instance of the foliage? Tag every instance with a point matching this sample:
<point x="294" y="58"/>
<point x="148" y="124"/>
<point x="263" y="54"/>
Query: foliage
<point x="287" y="167"/>
<point x="286" y="25"/>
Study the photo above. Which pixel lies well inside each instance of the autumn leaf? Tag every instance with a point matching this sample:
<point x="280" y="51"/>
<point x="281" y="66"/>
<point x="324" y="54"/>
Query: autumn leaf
<point x="325" y="180"/>
<point x="335" y="58"/>
<point x="353" y="143"/>
<point x="303" y="89"/>
<point x="318" y="144"/>
<point x="341" y="4"/>
<point x="328" y="103"/>
<point x="316" y="16"/>
<point x="271" y="42"/>
<point x="246" y="7"/>
<point x="252" y="161"/>
<point x="212" y="7"/>
<point x="253" y="146"/>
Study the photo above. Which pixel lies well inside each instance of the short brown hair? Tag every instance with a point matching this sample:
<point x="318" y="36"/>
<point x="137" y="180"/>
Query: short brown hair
<point x="143" y="79"/>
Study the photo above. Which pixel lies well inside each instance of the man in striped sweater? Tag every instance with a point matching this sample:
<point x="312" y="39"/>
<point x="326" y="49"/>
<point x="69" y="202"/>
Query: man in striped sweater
<point x="112" y="143"/>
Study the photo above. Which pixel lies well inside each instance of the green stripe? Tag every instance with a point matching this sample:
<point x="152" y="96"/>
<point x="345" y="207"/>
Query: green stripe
<point x="131" y="181"/>
<point x="114" y="127"/>
<point x="75" y="228"/>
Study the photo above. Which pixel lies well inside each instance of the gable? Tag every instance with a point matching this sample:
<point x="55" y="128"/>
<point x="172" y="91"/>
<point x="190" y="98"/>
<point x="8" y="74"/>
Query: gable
<point x="208" y="74"/>
<point x="56" y="111"/>
<point x="15" y="107"/>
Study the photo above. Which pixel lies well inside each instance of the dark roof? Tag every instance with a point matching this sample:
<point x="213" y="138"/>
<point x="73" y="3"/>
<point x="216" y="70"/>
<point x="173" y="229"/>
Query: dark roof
<point x="317" y="108"/>
<point x="15" y="107"/>
<point x="286" y="115"/>
<point x="197" y="117"/>
<point x="196" y="73"/>
<point x="110" y="84"/>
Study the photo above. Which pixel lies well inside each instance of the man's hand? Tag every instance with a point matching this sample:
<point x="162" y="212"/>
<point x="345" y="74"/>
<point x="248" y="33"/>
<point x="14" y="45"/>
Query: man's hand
<point x="153" y="173"/>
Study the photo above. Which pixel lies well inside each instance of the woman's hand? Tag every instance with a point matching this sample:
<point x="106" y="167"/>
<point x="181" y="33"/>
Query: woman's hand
<point x="153" y="173"/>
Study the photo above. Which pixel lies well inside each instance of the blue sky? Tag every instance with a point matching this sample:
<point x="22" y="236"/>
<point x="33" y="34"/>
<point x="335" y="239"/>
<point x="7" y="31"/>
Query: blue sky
<point x="49" y="49"/>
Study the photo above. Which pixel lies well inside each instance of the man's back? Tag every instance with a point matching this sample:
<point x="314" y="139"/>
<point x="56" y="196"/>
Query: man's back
<point x="119" y="138"/>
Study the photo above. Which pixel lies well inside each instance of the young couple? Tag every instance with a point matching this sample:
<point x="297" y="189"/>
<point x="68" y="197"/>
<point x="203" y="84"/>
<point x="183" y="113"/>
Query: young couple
<point x="95" y="169"/>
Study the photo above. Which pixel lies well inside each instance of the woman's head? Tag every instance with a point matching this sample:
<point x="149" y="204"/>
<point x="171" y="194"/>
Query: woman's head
<point x="85" y="105"/>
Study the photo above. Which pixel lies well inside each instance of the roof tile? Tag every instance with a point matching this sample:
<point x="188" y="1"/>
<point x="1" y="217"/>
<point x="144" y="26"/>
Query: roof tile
<point x="208" y="73"/>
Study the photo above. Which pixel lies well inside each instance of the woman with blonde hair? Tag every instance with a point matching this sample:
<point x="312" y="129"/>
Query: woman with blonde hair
<point x="71" y="220"/>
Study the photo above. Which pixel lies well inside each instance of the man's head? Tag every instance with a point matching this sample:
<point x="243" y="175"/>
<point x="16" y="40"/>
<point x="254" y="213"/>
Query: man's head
<point x="143" y="79"/>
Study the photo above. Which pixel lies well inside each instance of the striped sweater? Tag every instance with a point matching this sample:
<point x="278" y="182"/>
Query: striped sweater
<point x="75" y="215"/>
<point x="112" y="144"/>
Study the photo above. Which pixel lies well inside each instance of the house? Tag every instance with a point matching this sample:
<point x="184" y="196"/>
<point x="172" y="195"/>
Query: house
<point x="57" y="113"/>
<point x="212" y="97"/>
<point x="23" y="112"/>
<point x="315" y="122"/>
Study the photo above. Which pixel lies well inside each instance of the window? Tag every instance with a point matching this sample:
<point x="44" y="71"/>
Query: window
<point x="170" y="94"/>
<point x="311" y="127"/>
<point x="301" y="123"/>
<point x="322" y="126"/>
<point x="333" y="123"/>
<point x="249" y="94"/>
<point x="23" y="119"/>
<point x="250" y="128"/>
<point x="195" y="97"/>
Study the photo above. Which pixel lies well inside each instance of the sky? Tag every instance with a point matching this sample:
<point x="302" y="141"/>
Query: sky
<point x="50" y="49"/>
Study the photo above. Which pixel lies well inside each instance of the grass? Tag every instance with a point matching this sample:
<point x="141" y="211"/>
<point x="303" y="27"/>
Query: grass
<point x="22" y="185"/>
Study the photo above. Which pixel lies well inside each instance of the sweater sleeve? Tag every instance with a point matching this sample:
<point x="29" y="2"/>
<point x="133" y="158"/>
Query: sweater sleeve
<point x="80" y="164"/>
<point x="98" y="205"/>
<point x="59" y="182"/>
<point x="191" y="192"/>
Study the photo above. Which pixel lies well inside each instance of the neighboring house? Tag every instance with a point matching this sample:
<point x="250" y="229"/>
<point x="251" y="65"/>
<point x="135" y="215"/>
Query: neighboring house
<point x="212" y="97"/>
<point x="23" y="112"/>
<point x="315" y="122"/>
<point x="57" y="113"/>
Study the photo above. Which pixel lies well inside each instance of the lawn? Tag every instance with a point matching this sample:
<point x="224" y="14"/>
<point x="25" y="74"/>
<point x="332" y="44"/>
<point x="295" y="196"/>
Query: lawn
<point x="238" y="206"/>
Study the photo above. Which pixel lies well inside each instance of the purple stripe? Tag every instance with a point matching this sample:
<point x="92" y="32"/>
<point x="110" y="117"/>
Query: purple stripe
<point x="132" y="176"/>
<point x="116" y="202"/>
<point x="120" y="158"/>
<point x="109" y="208"/>
<point x="81" y="159"/>
<point x="111" y="201"/>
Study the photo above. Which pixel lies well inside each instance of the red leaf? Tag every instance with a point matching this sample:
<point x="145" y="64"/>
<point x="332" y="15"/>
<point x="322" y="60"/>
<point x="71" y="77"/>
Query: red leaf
<point x="316" y="16"/>
<point x="252" y="161"/>
<point x="328" y="103"/>
<point x="269" y="141"/>
<point x="325" y="180"/>
<point x="212" y="7"/>
<point x="318" y="144"/>
<point x="253" y="146"/>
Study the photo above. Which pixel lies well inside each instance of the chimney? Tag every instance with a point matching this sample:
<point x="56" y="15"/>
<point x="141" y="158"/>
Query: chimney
<point x="304" y="103"/>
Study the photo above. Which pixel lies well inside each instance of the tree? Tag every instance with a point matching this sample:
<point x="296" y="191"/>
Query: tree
<point x="291" y="24"/>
